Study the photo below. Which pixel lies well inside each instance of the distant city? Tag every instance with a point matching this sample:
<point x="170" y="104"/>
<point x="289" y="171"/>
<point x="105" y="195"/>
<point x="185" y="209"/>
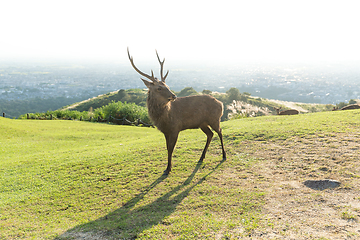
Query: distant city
<point x="326" y="83"/>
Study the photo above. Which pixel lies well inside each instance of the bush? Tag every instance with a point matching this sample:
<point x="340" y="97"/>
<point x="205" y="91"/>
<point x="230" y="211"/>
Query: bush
<point x="119" y="110"/>
<point x="58" y="114"/>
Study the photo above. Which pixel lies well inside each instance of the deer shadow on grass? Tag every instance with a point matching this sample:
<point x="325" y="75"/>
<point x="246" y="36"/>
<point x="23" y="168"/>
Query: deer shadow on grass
<point x="128" y="222"/>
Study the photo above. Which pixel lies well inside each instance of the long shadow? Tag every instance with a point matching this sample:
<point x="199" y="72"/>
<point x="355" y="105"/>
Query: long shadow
<point x="129" y="222"/>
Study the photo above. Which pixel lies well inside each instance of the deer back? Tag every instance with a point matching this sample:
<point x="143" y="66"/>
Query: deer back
<point x="195" y="111"/>
<point x="353" y="106"/>
<point x="289" y="112"/>
<point x="286" y="112"/>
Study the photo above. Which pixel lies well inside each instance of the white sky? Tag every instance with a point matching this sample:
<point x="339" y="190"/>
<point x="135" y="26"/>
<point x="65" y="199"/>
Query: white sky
<point x="215" y="31"/>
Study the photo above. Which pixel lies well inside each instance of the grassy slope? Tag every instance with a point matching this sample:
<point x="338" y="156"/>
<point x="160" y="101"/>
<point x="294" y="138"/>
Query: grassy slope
<point x="137" y="96"/>
<point x="59" y="178"/>
<point x="247" y="102"/>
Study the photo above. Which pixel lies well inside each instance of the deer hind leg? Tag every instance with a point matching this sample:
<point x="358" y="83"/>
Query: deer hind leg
<point x="209" y="135"/>
<point x="217" y="129"/>
<point x="222" y="144"/>
<point x="171" y="140"/>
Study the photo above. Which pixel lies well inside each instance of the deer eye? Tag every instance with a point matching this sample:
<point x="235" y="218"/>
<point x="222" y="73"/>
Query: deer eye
<point x="159" y="88"/>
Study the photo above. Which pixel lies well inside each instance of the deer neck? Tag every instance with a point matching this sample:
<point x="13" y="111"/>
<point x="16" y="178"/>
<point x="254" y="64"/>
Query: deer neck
<point x="158" y="111"/>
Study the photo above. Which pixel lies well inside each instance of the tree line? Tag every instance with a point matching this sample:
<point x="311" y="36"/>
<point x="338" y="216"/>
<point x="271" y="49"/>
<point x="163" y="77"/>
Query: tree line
<point x="132" y="102"/>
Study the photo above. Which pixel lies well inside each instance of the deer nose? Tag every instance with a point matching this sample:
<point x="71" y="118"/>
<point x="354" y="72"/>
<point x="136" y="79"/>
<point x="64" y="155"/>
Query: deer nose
<point x="172" y="97"/>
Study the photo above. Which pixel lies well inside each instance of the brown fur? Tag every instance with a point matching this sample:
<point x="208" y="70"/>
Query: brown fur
<point x="172" y="115"/>
<point x="286" y="112"/>
<point x="353" y="106"/>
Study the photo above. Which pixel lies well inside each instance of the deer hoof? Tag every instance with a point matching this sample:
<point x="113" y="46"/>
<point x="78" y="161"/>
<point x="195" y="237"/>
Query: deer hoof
<point x="166" y="172"/>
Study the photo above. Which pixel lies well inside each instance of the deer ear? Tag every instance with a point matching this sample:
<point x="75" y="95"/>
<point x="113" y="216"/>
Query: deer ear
<point x="147" y="83"/>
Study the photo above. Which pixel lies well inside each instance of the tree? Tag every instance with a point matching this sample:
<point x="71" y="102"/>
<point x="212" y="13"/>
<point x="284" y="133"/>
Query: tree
<point x="123" y="96"/>
<point x="188" y="91"/>
<point x="341" y="105"/>
<point x="233" y="94"/>
<point x="352" y="101"/>
<point x="206" y="92"/>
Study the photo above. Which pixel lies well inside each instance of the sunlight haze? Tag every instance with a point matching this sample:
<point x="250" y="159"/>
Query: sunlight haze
<point x="203" y="31"/>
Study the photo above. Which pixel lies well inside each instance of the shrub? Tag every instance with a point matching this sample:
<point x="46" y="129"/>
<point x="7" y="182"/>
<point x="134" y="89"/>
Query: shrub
<point x="119" y="110"/>
<point x="58" y="114"/>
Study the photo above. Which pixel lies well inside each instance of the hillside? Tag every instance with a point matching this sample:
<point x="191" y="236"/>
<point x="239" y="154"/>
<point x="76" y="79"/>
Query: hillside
<point x="236" y="104"/>
<point x="137" y="96"/>
<point x="81" y="180"/>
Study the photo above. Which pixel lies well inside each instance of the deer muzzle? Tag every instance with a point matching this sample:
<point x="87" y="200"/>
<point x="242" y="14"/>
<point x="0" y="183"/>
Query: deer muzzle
<point x="172" y="97"/>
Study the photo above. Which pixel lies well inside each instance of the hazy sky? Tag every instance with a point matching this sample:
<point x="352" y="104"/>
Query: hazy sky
<point x="214" y="31"/>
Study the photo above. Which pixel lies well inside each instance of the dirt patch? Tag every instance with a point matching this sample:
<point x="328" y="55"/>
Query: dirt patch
<point x="84" y="236"/>
<point x="290" y="105"/>
<point x="293" y="210"/>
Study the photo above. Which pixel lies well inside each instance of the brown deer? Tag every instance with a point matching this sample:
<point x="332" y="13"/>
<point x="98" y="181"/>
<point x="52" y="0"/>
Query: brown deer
<point x="352" y="106"/>
<point x="286" y="112"/>
<point x="172" y="115"/>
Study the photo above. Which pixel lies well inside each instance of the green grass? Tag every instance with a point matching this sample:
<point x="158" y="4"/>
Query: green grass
<point x="59" y="178"/>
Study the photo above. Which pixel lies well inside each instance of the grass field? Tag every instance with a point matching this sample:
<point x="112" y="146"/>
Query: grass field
<point x="80" y="180"/>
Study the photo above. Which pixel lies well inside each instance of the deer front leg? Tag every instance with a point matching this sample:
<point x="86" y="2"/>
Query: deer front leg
<point x="209" y="135"/>
<point x="171" y="140"/>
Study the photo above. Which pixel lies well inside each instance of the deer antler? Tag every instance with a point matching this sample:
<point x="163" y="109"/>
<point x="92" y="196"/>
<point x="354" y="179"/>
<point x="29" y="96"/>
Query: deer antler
<point x="152" y="78"/>
<point x="161" y="68"/>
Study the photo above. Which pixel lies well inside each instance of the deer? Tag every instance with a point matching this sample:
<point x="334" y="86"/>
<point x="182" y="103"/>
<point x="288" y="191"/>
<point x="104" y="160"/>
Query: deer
<point x="286" y="112"/>
<point x="352" y="106"/>
<point x="172" y="114"/>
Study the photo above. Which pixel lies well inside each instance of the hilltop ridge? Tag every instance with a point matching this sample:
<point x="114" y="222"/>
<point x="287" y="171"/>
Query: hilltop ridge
<point x="106" y="107"/>
<point x="235" y="102"/>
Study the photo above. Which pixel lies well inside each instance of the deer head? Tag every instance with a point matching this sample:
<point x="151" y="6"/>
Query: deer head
<point x="156" y="87"/>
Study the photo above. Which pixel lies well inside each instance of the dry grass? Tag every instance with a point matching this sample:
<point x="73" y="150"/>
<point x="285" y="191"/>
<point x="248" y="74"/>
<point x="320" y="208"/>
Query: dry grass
<point x="294" y="211"/>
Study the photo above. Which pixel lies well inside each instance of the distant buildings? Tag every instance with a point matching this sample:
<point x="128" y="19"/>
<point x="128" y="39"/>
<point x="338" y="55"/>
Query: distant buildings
<point x="325" y="84"/>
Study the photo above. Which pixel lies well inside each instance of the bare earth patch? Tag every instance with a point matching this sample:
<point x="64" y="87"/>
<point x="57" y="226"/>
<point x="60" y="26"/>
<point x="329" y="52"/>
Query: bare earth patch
<point x="294" y="211"/>
<point x="291" y="105"/>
